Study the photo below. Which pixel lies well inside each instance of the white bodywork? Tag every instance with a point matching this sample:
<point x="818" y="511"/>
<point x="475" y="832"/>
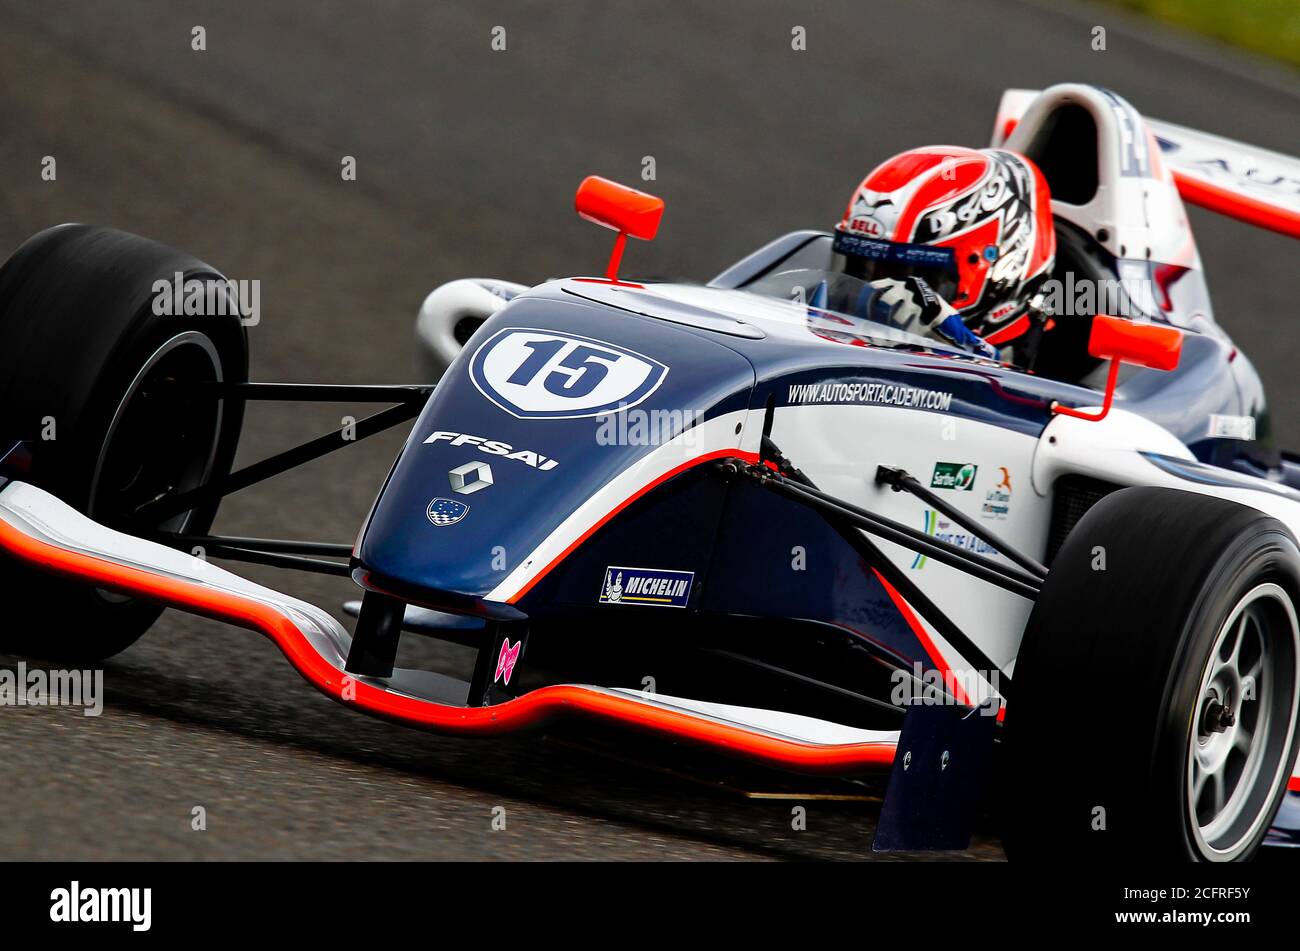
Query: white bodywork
<point x="1132" y="215"/>
<point x="38" y="514"/>
<point x="1144" y="211"/>
<point x="446" y="306"/>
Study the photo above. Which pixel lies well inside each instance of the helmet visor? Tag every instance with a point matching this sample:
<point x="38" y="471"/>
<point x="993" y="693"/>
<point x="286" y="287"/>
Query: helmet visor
<point x="872" y="259"/>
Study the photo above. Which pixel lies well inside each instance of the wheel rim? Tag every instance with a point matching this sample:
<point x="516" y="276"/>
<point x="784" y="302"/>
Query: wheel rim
<point x="162" y="437"/>
<point x="1243" y="722"/>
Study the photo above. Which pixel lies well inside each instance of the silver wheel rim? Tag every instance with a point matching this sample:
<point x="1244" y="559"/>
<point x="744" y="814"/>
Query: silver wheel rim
<point x="1243" y="723"/>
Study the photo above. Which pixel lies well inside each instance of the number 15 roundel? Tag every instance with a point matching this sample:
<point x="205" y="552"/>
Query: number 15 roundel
<point x="546" y="374"/>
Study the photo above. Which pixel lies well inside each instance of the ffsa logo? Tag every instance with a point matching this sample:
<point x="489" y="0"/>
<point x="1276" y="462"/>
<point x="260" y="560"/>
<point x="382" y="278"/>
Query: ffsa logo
<point x="77" y="904"/>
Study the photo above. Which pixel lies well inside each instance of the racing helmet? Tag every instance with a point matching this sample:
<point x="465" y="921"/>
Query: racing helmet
<point x="975" y="224"/>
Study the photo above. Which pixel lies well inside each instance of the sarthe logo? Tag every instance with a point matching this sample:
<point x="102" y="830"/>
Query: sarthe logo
<point x="954" y="475"/>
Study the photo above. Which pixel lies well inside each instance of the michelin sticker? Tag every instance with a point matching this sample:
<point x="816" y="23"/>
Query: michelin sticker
<point x="656" y="587"/>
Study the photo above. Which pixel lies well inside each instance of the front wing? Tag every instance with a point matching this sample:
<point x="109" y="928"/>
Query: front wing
<point x="40" y="530"/>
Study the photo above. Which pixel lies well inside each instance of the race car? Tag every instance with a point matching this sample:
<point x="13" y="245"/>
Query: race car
<point x="730" y="516"/>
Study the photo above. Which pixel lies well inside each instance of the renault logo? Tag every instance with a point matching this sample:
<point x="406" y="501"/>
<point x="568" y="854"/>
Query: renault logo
<point x="470" y="477"/>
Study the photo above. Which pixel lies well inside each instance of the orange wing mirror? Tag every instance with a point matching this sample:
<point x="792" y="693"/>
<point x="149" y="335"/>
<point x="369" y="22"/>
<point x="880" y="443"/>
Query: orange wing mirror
<point x="1147" y="345"/>
<point x="622" y="209"/>
<point x="1126" y="341"/>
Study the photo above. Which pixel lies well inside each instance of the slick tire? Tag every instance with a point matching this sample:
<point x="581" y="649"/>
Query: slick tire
<point x="114" y="406"/>
<point x="1156" y="688"/>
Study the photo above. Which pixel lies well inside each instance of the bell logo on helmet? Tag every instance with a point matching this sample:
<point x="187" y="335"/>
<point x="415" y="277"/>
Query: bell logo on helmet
<point x="547" y="374"/>
<point x="868" y="226"/>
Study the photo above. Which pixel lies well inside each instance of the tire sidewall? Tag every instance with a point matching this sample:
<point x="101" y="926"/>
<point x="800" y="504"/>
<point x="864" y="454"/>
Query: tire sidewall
<point x="75" y="474"/>
<point x="1267" y="555"/>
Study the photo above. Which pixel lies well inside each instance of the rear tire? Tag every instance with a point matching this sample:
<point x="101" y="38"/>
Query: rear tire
<point x="1155" y="711"/>
<point x="103" y="391"/>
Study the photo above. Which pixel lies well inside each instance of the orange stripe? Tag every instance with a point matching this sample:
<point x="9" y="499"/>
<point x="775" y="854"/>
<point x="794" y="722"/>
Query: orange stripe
<point x="719" y="454"/>
<point x="923" y="636"/>
<point x="1242" y="207"/>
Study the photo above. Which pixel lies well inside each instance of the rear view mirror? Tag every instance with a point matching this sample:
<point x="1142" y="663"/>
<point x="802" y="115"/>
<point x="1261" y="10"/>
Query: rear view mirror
<point x="619" y="207"/>
<point x="1125" y="341"/>
<point x="623" y="209"/>
<point x="1146" y="345"/>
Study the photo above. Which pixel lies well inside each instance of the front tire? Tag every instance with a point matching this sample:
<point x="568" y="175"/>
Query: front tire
<point x="1157" y="685"/>
<point x="110" y="398"/>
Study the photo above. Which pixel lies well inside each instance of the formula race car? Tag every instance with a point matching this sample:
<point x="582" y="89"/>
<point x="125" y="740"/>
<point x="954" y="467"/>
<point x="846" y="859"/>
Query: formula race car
<point x="732" y="516"/>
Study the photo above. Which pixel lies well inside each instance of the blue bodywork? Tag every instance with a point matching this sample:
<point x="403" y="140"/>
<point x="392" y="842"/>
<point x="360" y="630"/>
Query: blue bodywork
<point x="404" y="553"/>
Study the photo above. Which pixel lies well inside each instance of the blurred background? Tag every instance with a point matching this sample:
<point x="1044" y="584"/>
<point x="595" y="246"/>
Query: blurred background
<point x="467" y="157"/>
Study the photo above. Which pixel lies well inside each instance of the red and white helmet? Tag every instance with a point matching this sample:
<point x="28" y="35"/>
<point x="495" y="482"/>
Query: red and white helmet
<point x="991" y="209"/>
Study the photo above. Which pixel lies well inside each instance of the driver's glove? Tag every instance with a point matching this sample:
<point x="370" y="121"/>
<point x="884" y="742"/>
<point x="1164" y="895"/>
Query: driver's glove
<point x="911" y="305"/>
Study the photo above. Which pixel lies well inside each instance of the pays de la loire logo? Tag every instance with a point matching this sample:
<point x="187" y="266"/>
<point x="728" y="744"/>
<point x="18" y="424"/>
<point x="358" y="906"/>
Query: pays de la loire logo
<point x="548" y="374"/>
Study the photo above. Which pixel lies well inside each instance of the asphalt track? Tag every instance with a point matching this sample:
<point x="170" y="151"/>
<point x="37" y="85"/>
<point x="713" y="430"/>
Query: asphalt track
<point x="467" y="159"/>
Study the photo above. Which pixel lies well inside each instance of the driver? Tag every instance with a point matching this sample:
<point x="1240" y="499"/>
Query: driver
<point x="955" y="243"/>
